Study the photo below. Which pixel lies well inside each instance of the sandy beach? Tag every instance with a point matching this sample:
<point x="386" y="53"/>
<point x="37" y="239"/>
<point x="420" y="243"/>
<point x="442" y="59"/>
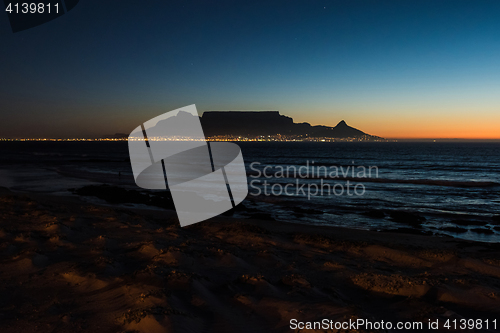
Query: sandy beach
<point x="71" y="266"/>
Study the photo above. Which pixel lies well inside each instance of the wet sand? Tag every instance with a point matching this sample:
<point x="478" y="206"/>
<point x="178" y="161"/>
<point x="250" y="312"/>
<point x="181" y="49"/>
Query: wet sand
<point x="71" y="266"/>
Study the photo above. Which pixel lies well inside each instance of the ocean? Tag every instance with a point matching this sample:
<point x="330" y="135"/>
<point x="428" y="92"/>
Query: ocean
<point x="446" y="189"/>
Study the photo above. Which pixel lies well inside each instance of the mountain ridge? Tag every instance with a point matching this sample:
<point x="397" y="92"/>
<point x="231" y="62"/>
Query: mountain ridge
<point x="264" y="123"/>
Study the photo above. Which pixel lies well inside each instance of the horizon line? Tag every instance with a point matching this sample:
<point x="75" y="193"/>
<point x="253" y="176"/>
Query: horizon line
<point x="81" y="138"/>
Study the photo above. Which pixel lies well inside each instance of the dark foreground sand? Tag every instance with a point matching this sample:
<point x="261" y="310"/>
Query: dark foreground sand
<point x="68" y="266"/>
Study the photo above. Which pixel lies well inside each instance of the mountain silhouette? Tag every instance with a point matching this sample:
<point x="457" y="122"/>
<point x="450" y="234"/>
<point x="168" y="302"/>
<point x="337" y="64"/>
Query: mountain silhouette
<point x="263" y="123"/>
<point x="342" y="130"/>
<point x="246" y="123"/>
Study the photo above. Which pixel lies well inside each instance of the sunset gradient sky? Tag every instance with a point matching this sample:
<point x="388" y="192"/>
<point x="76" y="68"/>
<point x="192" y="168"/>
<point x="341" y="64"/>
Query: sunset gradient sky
<point x="396" y="69"/>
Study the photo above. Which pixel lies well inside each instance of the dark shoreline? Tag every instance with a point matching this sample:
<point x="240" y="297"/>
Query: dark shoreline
<point x="72" y="266"/>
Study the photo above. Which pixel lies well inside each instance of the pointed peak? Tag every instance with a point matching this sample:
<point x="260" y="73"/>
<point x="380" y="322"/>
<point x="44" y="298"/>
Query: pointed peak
<point x="342" y="123"/>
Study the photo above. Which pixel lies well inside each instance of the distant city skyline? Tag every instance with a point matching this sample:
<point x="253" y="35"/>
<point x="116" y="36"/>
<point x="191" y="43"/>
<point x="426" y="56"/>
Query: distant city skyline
<point x="398" y="70"/>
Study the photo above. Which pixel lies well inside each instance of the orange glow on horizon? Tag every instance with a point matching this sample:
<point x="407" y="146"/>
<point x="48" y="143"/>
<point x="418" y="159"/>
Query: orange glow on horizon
<point x="429" y="124"/>
<point x="437" y="130"/>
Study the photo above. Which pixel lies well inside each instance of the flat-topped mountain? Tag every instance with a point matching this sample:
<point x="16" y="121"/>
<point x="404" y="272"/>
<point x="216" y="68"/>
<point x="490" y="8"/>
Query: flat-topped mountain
<point x="247" y="123"/>
<point x="256" y="123"/>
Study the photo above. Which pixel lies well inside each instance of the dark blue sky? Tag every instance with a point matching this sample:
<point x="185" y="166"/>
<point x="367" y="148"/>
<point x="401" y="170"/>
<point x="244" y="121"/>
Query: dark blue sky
<point x="390" y="68"/>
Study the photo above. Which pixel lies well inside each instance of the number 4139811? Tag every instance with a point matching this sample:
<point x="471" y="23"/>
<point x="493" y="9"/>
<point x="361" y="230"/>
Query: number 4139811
<point x="470" y="324"/>
<point x="38" y="8"/>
